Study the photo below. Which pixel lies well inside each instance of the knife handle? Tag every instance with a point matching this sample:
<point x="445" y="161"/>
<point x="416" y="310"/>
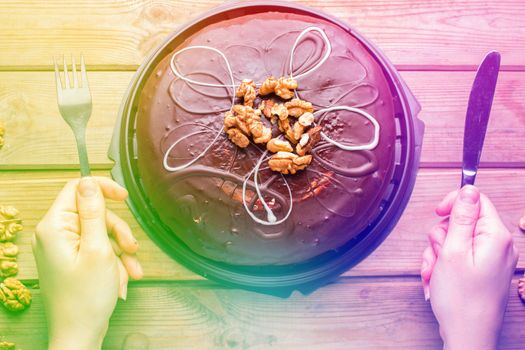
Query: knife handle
<point x="467" y="177"/>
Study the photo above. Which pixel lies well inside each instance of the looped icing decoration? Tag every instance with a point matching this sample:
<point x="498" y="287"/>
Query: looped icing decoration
<point x="319" y="114"/>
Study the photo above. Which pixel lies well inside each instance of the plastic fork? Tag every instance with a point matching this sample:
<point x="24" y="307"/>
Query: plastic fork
<point x="74" y="103"/>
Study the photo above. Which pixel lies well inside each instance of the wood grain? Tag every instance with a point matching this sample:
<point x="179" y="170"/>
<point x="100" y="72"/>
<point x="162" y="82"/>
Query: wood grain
<point x="349" y="314"/>
<point x="37" y="137"/>
<point x="119" y="34"/>
<point x="33" y="192"/>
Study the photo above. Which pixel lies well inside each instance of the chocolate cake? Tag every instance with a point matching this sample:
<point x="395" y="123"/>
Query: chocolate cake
<point x="202" y="201"/>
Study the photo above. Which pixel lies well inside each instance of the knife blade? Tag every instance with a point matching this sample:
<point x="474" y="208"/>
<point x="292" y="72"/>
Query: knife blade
<point x="478" y="112"/>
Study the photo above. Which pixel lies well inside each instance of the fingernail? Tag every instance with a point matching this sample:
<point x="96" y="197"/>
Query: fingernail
<point x="469" y="194"/>
<point x="139" y="269"/>
<point x="426" y="290"/>
<point x="87" y="187"/>
<point x="124" y="291"/>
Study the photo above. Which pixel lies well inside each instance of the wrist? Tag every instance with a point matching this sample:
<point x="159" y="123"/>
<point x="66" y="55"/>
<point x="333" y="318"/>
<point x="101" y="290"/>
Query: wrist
<point x="78" y="338"/>
<point x="469" y="338"/>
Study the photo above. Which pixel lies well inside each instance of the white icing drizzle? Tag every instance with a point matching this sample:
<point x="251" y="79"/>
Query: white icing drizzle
<point x="346" y="147"/>
<point x="180" y="76"/>
<point x="321" y="61"/>
<point x="188" y="80"/>
<point x="271" y="219"/>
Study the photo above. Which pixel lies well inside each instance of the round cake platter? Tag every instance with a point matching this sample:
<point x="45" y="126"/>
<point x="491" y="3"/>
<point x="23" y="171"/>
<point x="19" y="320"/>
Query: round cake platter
<point x="279" y="280"/>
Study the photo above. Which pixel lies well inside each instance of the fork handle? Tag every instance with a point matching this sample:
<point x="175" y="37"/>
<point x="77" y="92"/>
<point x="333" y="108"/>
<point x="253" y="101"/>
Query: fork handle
<point x="82" y="154"/>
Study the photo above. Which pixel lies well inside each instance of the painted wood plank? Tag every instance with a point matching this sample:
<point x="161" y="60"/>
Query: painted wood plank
<point x="37" y="137"/>
<point x="33" y="192"/>
<point x="119" y="34"/>
<point x="349" y="314"/>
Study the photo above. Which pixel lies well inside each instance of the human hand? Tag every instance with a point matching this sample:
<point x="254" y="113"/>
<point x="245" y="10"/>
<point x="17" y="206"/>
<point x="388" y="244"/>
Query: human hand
<point x="82" y="270"/>
<point x="467" y="270"/>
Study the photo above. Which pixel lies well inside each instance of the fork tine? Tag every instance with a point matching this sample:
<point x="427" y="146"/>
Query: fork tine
<point x="83" y="71"/>
<point x="75" y="79"/>
<point x="66" y="76"/>
<point x="57" y="77"/>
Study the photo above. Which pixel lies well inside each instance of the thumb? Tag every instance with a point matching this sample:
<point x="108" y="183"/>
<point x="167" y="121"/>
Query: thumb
<point x="463" y="219"/>
<point x="91" y="212"/>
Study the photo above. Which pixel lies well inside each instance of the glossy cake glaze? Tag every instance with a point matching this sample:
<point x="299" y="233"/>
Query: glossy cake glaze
<point x="336" y="197"/>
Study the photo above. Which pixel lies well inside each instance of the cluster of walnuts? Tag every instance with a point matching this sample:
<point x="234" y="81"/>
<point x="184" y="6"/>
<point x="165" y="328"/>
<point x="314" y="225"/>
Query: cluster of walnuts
<point x="14" y="296"/>
<point x="294" y="118"/>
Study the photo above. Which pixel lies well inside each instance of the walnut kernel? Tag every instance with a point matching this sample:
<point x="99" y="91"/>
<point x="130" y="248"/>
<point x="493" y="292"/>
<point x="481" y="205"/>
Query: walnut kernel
<point x="14" y="295"/>
<point x="266" y="135"/>
<point x="303" y="140"/>
<point x="314" y="135"/>
<point x="268" y="86"/>
<point x="8" y="268"/>
<point x="280" y="111"/>
<point x="275" y="145"/>
<point x="5" y="345"/>
<point x="8" y="211"/>
<point x="298" y="107"/>
<point x="284" y="88"/>
<point x="247" y="91"/>
<point x="266" y="108"/>
<point x="288" y="163"/>
<point x="238" y="138"/>
<point x="8" y="249"/>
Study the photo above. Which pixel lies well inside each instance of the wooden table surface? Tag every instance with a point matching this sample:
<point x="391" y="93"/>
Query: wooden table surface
<point x="379" y="304"/>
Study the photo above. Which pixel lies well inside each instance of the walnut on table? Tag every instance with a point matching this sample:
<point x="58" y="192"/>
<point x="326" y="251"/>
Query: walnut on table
<point x="8" y="265"/>
<point x="8" y="211"/>
<point x="8" y="268"/>
<point x="9" y="229"/>
<point x="5" y="345"/>
<point x="9" y="250"/>
<point x="14" y="296"/>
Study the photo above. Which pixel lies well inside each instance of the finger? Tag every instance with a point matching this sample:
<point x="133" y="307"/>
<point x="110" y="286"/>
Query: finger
<point x="516" y="256"/>
<point x="463" y="218"/>
<point x="120" y="230"/>
<point x="427" y="265"/>
<point x="123" y="281"/>
<point x="487" y="210"/>
<point x="66" y="200"/>
<point x="116" y="248"/>
<point x="92" y="215"/>
<point x="445" y="206"/>
<point x="437" y="236"/>
<point x="132" y="265"/>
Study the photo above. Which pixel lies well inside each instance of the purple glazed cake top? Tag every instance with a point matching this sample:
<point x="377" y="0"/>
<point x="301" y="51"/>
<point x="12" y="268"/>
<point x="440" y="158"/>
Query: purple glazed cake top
<point x="333" y="199"/>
